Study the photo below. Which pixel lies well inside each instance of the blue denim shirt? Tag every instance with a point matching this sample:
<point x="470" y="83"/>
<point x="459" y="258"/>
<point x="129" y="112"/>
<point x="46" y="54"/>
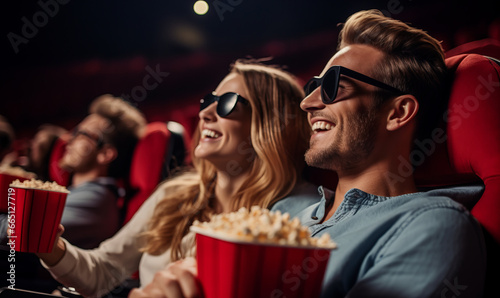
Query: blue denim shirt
<point x="416" y="245"/>
<point x="302" y="196"/>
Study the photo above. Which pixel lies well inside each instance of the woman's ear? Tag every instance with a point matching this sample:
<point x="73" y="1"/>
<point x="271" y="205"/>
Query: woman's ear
<point x="107" y="154"/>
<point x="402" y="110"/>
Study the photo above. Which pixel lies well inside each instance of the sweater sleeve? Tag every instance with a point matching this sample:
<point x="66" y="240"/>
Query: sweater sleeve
<point x="94" y="273"/>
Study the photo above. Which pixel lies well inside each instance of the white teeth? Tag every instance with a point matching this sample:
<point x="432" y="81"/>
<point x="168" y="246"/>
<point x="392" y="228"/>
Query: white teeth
<point x="321" y="125"/>
<point x="207" y="133"/>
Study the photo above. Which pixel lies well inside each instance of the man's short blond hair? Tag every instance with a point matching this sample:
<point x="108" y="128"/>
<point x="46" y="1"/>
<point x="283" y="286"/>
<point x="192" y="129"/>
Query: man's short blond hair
<point x="413" y="61"/>
<point x="126" y="125"/>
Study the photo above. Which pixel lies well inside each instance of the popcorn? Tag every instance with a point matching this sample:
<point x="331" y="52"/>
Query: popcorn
<point x="16" y="171"/>
<point x="263" y="226"/>
<point x="39" y="184"/>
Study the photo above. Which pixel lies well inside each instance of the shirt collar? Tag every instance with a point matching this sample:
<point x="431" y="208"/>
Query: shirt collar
<point x="99" y="180"/>
<point x="354" y="200"/>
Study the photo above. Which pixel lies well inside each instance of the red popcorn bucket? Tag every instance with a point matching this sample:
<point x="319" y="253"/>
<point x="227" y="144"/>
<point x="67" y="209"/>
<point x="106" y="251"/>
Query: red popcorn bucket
<point x="37" y="216"/>
<point x="232" y="268"/>
<point x="5" y="180"/>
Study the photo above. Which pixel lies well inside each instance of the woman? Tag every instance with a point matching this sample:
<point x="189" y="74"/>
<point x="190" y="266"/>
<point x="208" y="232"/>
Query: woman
<point x="251" y="140"/>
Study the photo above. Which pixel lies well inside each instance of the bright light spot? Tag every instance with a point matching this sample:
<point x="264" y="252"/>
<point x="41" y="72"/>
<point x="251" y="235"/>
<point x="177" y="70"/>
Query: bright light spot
<point x="200" y="7"/>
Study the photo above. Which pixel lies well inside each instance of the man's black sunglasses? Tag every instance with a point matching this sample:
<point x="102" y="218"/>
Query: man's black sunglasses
<point x="330" y="82"/>
<point x="225" y="103"/>
<point x="99" y="141"/>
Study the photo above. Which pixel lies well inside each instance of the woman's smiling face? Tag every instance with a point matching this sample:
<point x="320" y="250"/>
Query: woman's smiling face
<point x="225" y="142"/>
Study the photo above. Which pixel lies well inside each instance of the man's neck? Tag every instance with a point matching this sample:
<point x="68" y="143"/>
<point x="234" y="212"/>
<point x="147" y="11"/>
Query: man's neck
<point x="377" y="180"/>
<point x="80" y="178"/>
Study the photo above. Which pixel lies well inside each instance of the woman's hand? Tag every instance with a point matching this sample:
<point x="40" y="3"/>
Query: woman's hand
<point x="58" y="250"/>
<point x="177" y="280"/>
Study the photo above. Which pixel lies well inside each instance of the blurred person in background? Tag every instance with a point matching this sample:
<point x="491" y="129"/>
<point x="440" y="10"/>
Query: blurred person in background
<point x="7" y="137"/>
<point x="98" y="153"/>
<point x="41" y="148"/>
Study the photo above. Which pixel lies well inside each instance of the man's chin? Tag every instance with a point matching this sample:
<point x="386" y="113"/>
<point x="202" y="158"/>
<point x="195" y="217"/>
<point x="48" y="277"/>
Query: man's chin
<point x="66" y="167"/>
<point x="317" y="159"/>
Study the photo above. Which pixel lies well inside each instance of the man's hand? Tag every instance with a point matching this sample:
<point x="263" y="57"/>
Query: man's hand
<point x="177" y="280"/>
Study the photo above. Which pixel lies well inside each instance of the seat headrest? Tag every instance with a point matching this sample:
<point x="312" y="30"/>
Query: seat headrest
<point x="148" y="156"/>
<point x="56" y="173"/>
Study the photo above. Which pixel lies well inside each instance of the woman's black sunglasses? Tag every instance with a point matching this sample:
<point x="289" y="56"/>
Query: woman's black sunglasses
<point x="225" y="103"/>
<point x="330" y="82"/>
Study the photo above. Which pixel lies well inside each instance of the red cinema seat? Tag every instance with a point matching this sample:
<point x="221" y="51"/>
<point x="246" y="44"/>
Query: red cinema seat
<point x="488" y="47"/>
<point x="56" y="173"/>
<point x="157" y="153"/>
<point x="471" y="151"/>
<point x="468" y="150"/>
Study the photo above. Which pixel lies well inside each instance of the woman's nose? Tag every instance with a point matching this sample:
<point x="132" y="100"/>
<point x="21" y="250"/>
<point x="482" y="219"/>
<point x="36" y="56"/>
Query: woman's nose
<point x="209" y="113"/>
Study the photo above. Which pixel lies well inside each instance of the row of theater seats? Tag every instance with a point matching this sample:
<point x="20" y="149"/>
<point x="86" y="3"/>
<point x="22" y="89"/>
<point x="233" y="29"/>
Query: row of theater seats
<point x="160" y="150"/>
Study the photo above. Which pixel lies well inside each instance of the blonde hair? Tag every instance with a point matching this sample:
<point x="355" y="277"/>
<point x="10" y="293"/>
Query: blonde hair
<point x="279" y="137"/>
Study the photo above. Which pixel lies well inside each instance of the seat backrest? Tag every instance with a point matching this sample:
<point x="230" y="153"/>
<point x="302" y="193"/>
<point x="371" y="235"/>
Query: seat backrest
<point x="156" y="154"/>
<point x="488" y="47"/>
<point x="467" y="145"/>
<point x="466" y="148"/>
<point x="56" y="173"/>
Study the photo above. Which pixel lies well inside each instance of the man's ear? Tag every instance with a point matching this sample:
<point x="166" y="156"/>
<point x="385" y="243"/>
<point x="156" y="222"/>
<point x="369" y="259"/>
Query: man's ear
<point x="106" y="154"/>
<point x="402" y="110"/>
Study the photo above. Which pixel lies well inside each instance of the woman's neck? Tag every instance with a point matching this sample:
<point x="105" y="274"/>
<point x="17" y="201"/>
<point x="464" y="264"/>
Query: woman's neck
<point x="226" y="187"/>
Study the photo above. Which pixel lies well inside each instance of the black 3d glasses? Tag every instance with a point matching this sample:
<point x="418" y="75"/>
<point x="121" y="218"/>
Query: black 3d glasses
<point x="76" y="132"/>
<point x="225" y="103"/>
<point x="330" y="82"/>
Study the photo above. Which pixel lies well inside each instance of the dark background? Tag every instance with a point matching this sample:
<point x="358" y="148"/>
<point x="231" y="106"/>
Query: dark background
<point x="88" y="48"/>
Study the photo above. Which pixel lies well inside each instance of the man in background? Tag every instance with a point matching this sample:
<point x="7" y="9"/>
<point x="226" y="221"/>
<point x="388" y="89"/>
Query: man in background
<point x="97" y="155"/>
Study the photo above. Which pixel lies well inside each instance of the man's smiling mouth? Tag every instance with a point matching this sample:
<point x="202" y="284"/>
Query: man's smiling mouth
<point x="321" y="126"/>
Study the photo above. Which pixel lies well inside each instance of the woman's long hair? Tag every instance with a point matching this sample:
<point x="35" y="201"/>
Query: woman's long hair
<point x="279" y="137"/>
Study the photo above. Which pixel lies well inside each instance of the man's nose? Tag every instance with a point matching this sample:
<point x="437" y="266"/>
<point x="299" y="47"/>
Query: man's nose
<point x="313" y="101"/>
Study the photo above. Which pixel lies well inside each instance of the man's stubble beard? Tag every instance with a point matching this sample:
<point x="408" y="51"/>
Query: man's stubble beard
<point x="354" y="142"/>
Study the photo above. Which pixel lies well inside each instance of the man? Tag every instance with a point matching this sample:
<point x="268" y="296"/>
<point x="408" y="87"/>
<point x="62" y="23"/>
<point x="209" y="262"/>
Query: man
<point x="98" y="153"/>
<point x="380" y="91"/>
